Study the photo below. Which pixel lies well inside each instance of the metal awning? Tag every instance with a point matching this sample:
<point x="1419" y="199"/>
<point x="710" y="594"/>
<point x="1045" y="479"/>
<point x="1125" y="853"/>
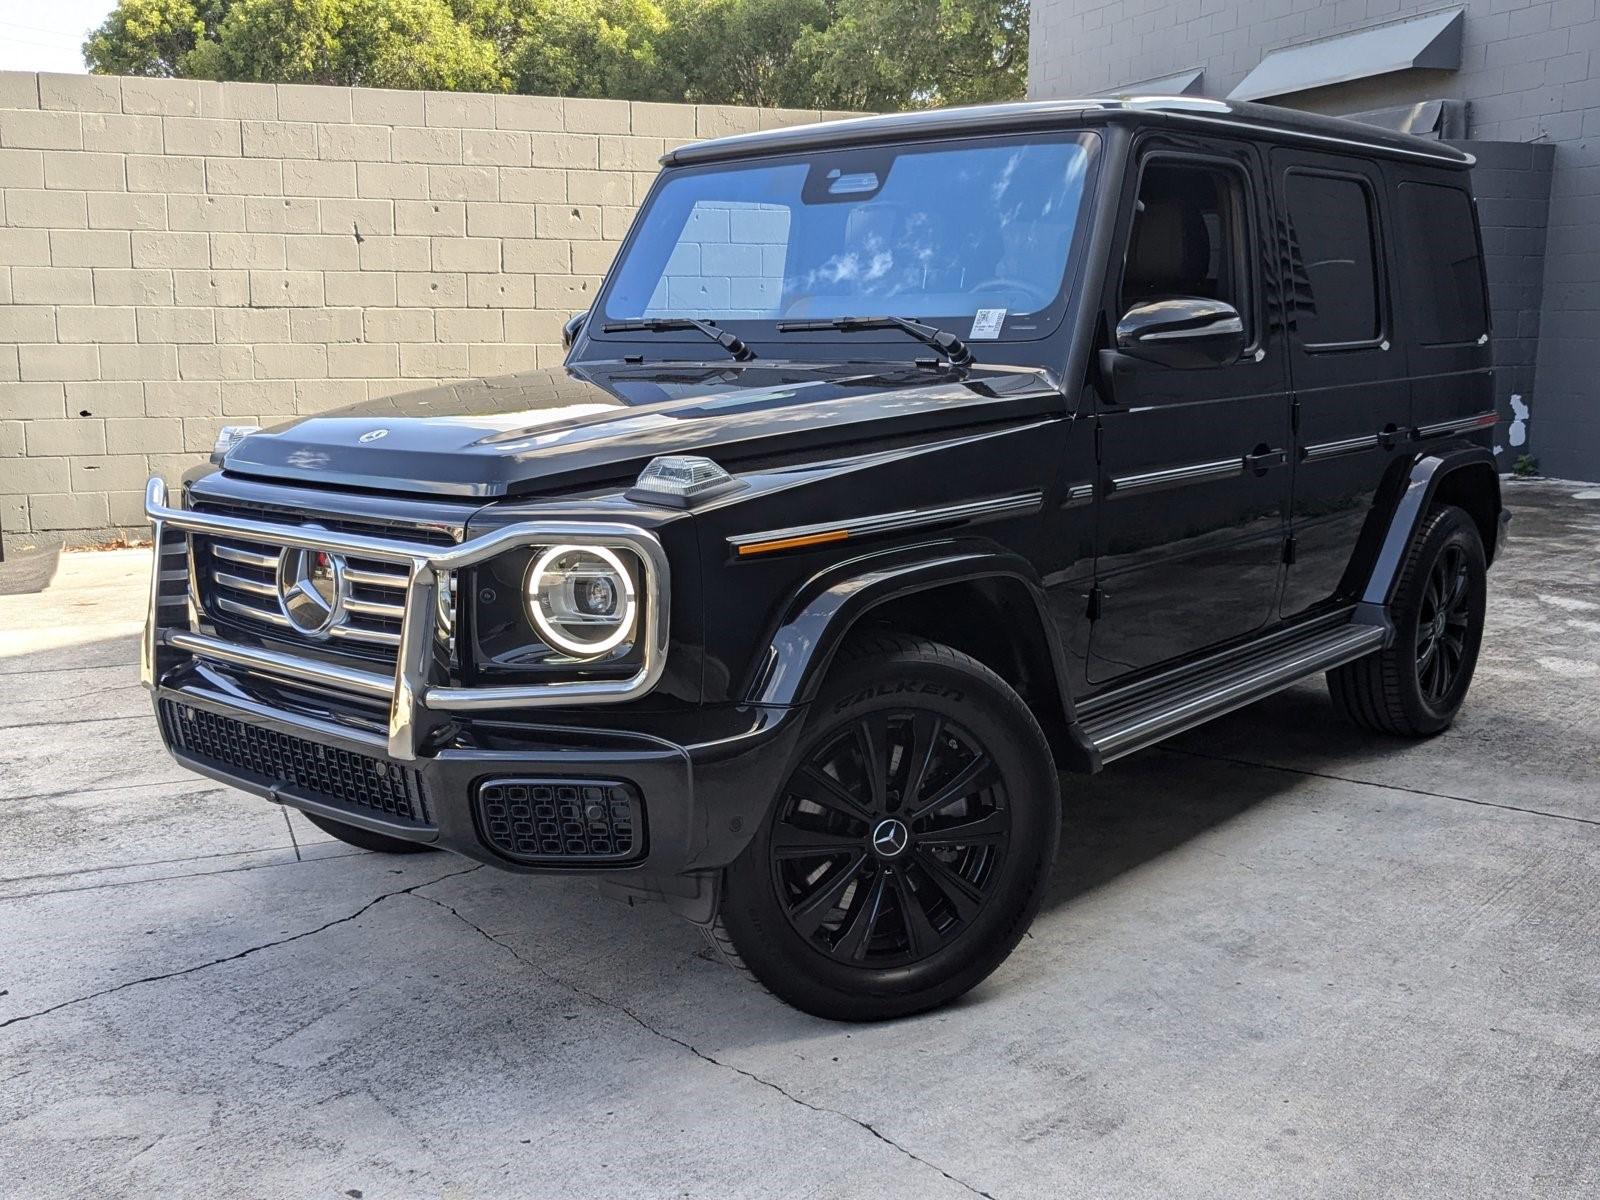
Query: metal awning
<point x="1181" y="83"/>
<point x="1432" y="42"/>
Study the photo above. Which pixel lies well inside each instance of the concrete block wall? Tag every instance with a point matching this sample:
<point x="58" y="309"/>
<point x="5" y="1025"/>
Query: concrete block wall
<point x="1512" y="183"/>
<point x="176" y="256"/>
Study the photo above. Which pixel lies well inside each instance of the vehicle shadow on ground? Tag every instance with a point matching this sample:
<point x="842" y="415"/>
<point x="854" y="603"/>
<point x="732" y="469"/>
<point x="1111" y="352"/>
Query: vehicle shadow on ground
<point x="1161" y="799"/>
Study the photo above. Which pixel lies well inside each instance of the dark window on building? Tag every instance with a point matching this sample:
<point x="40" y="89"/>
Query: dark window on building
<point x="1188" y="236"/>
<point x="1447" y="275"/>
<point x="1335" y="284"/>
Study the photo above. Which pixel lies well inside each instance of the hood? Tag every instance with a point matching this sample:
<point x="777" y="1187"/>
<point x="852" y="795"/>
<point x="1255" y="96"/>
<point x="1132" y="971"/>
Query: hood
<point x="576" y="427"/>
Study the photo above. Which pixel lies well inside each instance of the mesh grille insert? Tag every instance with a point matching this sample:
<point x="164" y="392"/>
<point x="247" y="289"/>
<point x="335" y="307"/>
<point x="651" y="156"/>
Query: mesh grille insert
<point x="303" y="768"/>
<point x="562" y="820"/>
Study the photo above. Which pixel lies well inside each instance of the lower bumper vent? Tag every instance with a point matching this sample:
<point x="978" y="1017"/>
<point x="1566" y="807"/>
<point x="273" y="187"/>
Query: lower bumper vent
<point x="561" y="820"/>
<point x="300" y="767"/>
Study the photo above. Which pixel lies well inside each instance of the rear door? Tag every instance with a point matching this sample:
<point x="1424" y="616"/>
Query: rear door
<point x="1192" y="467"/>
<point x="1351" y="390"/>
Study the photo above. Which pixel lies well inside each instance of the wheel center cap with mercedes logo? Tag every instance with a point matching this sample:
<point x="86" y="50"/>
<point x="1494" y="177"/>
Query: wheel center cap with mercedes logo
<point x="311" y="589"/>
<point x="890" y="838"/>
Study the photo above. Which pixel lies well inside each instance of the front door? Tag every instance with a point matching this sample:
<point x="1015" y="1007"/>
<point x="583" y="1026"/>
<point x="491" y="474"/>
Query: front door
<point x="1193" y="480"/>
<point x="1352" y="395"/>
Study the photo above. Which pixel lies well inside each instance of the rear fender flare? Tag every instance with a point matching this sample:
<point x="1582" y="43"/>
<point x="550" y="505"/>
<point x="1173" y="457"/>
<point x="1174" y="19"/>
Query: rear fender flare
<point x="1427" y="475"/>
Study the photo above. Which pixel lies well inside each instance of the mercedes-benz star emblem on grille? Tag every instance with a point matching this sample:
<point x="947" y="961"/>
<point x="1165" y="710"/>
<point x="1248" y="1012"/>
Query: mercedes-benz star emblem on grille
<point x="311" y="589"/>
<point x="373" y="435"/>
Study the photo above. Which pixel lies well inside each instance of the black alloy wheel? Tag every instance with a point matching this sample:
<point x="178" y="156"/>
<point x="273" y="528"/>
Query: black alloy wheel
<point x="1443" y="624"/>
<point x="889" y="838"/>
<point x="907" y="850"/>
<point x="1415" y="686"/>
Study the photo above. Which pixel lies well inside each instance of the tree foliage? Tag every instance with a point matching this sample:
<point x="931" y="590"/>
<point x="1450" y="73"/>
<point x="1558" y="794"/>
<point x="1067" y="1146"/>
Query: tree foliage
<point x="859" y="54"/>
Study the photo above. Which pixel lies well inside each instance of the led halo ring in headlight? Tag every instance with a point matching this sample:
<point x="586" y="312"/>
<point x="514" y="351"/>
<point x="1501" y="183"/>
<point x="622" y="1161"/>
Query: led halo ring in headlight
<point x="573" y="587"/>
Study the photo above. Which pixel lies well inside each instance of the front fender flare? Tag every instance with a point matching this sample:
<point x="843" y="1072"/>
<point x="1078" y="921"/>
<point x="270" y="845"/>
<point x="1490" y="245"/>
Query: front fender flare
<point x="829" y="606"/>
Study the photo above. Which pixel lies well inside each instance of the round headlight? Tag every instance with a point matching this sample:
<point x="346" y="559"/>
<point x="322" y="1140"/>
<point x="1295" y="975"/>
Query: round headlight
<point x="582" y="599"/>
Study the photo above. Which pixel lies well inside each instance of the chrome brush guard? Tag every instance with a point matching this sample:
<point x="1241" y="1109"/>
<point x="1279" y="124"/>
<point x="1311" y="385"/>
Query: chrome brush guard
<point x="416" y="688"/>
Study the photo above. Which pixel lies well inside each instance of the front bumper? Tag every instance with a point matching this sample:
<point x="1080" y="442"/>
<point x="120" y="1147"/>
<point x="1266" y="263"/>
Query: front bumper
<point x="302" y="731"/>
<point x="699" y="803"/>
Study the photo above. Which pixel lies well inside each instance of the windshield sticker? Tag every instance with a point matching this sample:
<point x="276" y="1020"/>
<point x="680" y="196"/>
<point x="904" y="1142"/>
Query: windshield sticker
<point x="986" y="324"/>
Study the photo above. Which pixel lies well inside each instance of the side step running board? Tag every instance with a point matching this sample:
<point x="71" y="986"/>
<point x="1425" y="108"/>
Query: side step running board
<point x="1132" y="718"/>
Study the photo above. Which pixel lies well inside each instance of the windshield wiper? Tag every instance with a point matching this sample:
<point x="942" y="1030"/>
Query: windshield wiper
<point x="948" y="344"/>
<point x="732" y="343"/>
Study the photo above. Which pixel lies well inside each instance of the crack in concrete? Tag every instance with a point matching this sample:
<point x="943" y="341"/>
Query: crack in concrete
<point x="624" y="1010"/>
<point x="245" y="953"/>
<point x="139" y="716"/>
<point x="1388" y="787"/>
<point x="148" y="879"/>
<point x="109" y="787"/>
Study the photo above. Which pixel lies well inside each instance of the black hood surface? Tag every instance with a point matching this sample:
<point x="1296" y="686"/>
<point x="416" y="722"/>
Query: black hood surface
<point x="543" y="430"/>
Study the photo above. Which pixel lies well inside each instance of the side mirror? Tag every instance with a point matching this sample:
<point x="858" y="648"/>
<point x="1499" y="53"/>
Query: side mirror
<point x="572" y="328"/>
<point x="1184" y="331"/>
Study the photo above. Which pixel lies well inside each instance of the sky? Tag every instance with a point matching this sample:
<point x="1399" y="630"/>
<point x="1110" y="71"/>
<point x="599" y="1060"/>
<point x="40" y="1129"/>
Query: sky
<point x="47" y="35"/>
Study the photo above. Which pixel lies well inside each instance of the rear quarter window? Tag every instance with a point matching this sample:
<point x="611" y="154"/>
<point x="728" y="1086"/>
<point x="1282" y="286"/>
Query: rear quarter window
<point x="1333" y="225"/>
<point x="1446" y="271"/>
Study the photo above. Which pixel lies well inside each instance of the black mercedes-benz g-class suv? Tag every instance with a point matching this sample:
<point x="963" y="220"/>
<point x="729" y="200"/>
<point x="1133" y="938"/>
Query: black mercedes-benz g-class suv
<point x="900" y="464"/>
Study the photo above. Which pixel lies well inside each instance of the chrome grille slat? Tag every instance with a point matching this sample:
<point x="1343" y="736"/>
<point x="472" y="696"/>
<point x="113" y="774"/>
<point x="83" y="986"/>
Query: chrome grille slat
<point x="234" y="608"/>
<point x="370" y="576"/>
<point x="241" y="554"/>
<point x="240" y="583"/>
<point x="373" y="608"/>
<point x="356" y="633"/>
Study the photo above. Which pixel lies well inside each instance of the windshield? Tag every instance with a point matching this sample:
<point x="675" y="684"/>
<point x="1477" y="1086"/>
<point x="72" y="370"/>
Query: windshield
<point x="974" y="236"/>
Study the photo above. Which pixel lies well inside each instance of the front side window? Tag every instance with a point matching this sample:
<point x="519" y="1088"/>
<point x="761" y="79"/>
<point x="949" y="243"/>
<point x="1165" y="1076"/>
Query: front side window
<point x="1188" y="236"/>
<point x="938" y="232"/>
<point x="1335" y="259"/>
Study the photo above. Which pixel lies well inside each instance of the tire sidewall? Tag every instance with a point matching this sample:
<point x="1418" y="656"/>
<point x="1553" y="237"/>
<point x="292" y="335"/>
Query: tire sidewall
<point x="1452" y="526"/>
<point x="997" y="719"/>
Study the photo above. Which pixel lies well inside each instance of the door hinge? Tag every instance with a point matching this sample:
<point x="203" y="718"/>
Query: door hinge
<point x="1288" y="550"/>
<point x="1099" y="440"/>
<point x="1096" y="601"/>
<point x="1294" y="417"/>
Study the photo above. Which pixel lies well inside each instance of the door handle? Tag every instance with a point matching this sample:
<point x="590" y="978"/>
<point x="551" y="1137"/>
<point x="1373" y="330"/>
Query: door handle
<point x="1262" y="459"/>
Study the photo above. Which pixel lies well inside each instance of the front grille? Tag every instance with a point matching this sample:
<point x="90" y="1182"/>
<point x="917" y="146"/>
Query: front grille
<point x="244" y="585"/>
<point x="299" y="767"/>
<point x="561" y="820"/>
<point x="238" y="581"/>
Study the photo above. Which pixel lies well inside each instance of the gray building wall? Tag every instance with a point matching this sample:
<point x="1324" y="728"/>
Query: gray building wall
<point x="1530" y="73"/>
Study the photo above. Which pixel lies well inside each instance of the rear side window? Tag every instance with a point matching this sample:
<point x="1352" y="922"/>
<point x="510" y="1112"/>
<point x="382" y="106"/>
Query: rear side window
<point x="1446" y="266"/>
<point x="1335" y="279"/>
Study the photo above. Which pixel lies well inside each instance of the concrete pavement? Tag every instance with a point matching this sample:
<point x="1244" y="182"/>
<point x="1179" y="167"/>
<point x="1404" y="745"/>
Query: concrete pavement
<point x="1280" y="958"/>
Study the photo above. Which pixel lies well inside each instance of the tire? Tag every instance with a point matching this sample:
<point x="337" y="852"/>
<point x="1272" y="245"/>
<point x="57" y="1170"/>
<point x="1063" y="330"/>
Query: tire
<point x="848" y="904"/>
<point x="365" y="839"/>
<point x="1415" y="687"/>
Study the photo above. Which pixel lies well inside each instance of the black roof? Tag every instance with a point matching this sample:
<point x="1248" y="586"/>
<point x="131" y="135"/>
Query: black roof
<point x="1259" y="120"/>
